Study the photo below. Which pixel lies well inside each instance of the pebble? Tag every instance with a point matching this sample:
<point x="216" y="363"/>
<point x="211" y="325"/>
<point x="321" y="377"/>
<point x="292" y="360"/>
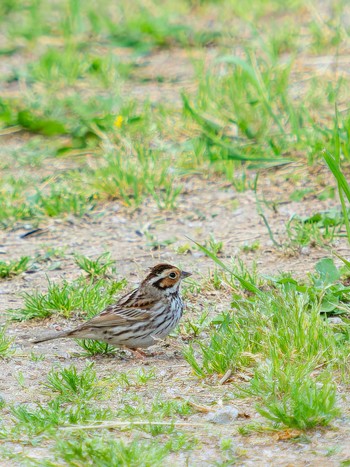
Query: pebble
<point x="335" y="320"/>
<point x="223" y="416"/>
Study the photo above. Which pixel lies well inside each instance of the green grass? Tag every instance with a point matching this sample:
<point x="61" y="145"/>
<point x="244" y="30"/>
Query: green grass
<point x="6" y="348"/>
<point x="91" y="347"/>
<point x="321" y="228"/>
<point x="79" y="399"/>
<point x="85" y="296"/>
<point x="97" y="451"/>
<point x="279" y="330"/>
<point x="292" y="396"/>
<point x="340" y="149"/>
<point x="244" y="111"/>
<point x="98" y="267"/>
<point x="71" y="385"/>
<point x="15" y="267"/>
<point x="46" y="418"/>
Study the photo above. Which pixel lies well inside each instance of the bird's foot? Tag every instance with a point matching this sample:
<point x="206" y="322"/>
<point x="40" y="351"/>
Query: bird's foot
<point x="140" y="354"/>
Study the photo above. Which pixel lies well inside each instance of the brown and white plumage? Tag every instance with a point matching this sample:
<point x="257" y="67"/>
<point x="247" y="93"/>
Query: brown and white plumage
<point x="140" y="318"/>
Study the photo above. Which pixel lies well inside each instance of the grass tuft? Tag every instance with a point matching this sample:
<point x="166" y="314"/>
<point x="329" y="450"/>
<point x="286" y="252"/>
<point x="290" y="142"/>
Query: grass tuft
<point x="13" y="268"/>
<point x="89" y="297"/>
<point x="98" y="267"/>
<point x="108" y="451"/>
<point x="291" y="395"/>
<point x="93" y="347"/>
<point x="72" y="385"/>
<point x="279" y="331"/>
<point x="6" y="349"/>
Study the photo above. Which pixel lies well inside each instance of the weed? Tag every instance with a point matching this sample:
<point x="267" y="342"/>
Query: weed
<point x="214" y="246"/>
<point x="318" y="229"/>
<point x="293" y="397"/>
<point x="279" y="331"/>
<point x="333" y="162"/>
<point x="224" y="351"/>
<point x="194" y="325"/>
<point x="250" y="248"/>
<point x="155" y="244"/>
<point x="38" y="420"/>
<point x="97" y="267"/>
<point x="72" y="385"/>
<point x="131" y="178"/>
<point x="62" y="200"/>
<point x="37" y="357"/>
<point x="137" y="378"/>
<point x="6" y="349"/>
<point x="65" y="298"/>
<point x="240" y="128"/>
<point x="108" y="451"/>
<point x="251" y="428"/>
<point x="92" y="347"/>
<point x="15" y="267"/>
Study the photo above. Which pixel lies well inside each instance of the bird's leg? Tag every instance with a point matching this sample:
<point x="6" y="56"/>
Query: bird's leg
<point x="138" y="353"/>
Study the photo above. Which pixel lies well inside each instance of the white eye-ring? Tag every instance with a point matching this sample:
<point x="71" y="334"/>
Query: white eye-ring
<point x="172" y="275"/>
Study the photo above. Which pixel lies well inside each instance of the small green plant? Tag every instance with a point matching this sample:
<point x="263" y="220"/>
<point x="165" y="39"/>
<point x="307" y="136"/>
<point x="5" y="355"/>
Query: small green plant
<point x="91" y="297"/>
<point x="324" y="286"/>
<point x="108" y="451"/>
<point x="93" y="347"/>
<point x="343" y="187"/>
<point x="226" y="349"/>
<point x="37" y="357"/>
<point x="253" y="109"/>
<point x="72" y="385"/>
<point x="251" y="247"/>
<point x="98" y="267"/>
<point x="194" y="325"/>
<point x="214" y="245"/>
<point x="318" y="229"/>
<point x="6" y="349"/>
<point x="131" y="379"/>
<point x="13" y="268"/>
<point x="291" y="396"/>
<point x="142" y="376"/>
<point x="131" y="178"/>
<point x="278" y="329"/>
<point x="45" y="419"/>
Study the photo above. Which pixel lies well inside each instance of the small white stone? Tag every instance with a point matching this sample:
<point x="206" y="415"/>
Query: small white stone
<point x="223" y="416"/>
<point x="335" y="320"/>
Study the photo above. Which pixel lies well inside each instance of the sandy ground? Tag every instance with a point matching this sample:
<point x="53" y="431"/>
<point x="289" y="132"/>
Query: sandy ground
<point x="207" y="207"/>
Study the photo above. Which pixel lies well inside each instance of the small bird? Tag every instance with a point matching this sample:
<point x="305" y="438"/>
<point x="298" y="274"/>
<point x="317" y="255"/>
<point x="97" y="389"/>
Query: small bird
<point x="139" y="319"/>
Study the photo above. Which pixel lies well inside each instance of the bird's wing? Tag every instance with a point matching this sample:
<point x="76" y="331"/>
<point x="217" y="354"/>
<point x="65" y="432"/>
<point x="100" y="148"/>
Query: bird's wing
<point x="127" y="310"/>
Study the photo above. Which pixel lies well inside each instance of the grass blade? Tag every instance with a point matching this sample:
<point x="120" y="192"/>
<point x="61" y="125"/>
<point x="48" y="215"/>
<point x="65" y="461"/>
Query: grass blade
<point x="245" y="284"/>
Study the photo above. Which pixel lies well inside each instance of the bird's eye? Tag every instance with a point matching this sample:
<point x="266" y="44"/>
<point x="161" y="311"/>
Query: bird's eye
<point x="172" y="275"/>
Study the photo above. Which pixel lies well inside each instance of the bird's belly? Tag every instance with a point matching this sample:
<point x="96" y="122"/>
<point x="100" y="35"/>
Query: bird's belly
<point x="146" y="334"/>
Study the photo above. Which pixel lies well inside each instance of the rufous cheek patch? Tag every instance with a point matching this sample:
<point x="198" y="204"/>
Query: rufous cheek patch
<point x="167" y="282"/>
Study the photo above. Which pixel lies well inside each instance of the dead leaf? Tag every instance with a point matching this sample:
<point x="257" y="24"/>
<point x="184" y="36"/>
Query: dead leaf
<point x="287" y="434"/>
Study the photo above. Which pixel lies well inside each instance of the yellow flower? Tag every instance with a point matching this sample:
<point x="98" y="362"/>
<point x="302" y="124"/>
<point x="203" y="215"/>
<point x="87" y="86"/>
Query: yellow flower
<point x="118" y="121"/>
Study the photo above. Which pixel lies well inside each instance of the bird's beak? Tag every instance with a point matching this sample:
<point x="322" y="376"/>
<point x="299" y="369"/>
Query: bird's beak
<point x="185" y="274"/>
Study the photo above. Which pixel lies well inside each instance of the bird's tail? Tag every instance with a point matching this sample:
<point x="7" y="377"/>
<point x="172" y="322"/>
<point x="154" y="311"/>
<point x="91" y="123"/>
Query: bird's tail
<point x="51" y="337"/>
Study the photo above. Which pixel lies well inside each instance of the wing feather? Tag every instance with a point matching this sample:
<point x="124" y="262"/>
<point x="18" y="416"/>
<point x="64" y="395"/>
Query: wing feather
<point x="130" y="308"/>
